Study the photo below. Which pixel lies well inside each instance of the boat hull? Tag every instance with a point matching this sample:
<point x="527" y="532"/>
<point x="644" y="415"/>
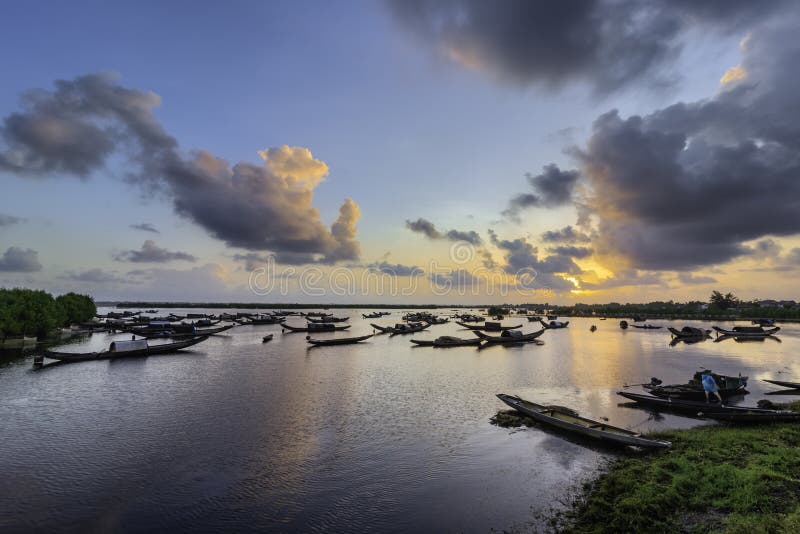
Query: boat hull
<point x="164" y="348"/>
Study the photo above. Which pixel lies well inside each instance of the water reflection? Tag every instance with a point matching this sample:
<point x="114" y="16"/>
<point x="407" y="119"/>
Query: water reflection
<point x="240" y="435"/>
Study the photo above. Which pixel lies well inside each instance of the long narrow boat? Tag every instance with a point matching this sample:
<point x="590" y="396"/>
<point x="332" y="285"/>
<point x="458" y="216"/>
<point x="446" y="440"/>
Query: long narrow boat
<point x="741" y="414"/>
<point x="447" y="341"/>
<point x="689" y="332"/>
<point x="783" y="383"/>
<point x="489" y="326"/>
<point x="315" y="327"/>
<point x="563" y="419"/>
<point x="401" y="328"/>
<point x="647" y="326"/>
<point x="197" y="332"/>
<point x="554" y="325"/>
<point x="728" y="386"/>
<point x="747" y="339"/>
<point x="747" y="331"/>
<point x="265" y="320"/>
<point x="337" y="341"/>
<point x="327" y="319"/>
<point x="510" y="336"/>
<point x="124" y="349"/>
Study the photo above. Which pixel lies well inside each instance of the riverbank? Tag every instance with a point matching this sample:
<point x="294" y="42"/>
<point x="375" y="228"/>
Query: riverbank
<point x="714" y="478"/>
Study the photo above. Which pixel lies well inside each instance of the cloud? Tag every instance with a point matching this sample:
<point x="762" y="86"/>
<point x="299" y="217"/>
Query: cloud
<point x="565" y="235"/>
<point x="396" y="269"/>
<point x="626" y="277"/>
<point x="74" y="129"/>
<point x="428" y="229"/>
<point x="690" y="279"/>
<point x="553" y="188"/>
<point x="9" y="220"/>
<point x="145" y="227"/>
<point x="686" y="186"/>
<point x="522" y="261"/>
<point x="454" y="278"/>
<point x="152" y="253"/>
<point x="19" y="260"/>
<point x="96" y="276"/>
<point x="253" y="260"/>
<point x="606" y="43"/>
<point x="571" y="251"/>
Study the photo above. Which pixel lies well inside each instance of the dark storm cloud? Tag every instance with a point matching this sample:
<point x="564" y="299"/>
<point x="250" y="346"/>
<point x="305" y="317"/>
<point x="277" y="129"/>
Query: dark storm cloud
<point x="9" y="220"/>
<point x="690" y="279"/>
<point x="253" y="260"/>
<point x="552" y="188"/>
<point x="607" y="43"/>
<point x="145" y="227"/>
<point x="565" y="235"/>
<point x="152" y="253"/>
<point x="75" y="128"/>
<point x="429" y="230"/>
<point x="626" y="277"/>
<point x="522" y="257"/>
<point x="571" y="251"/>
<point x="19" y="260"/>
<point x="688" y="185"/>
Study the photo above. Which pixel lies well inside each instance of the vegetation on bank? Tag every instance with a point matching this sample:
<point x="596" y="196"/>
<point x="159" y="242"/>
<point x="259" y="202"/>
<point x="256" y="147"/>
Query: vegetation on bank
<point x="30" y="312"/>
<point x="713" y="479"/>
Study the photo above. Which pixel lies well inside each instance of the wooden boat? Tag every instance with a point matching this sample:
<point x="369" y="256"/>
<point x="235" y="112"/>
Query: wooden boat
<point x="315" y="327"/>
<point x="763" y="322"/>
<point x="510" y="336"/>
<point x="469" y="318"/>
<point x="713" y="410"/>
<point x="447" y="341"/>
<point x="554" y="325"/>
<point x="689" y="332"/>
<point x="401" y="328"/>
<point x="552" y="317"/>
<point x="269" y="319"/>
<point x="489" y="326"/>
<point x="623" y="324"/>
<point x="268" y="337"/>
<point x="647" y="326"/>
<point x="337" y="341"/>
<point x="783" y="383"/>
<point x="693" y="390"/>
<point x="328" y="319"/>
<point x="196" y="332"/>
<point x="592" y="328"/>
<point x="570" y="421"/>
<point x="124" y="349"/>
<point x="747" y="339"/>
<point x="747" y="331"/>
<point x="534" y="318"/>
<point x="376" y="315"/>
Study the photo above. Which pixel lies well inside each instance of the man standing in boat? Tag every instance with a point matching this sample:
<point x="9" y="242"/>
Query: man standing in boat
<point x="710" y="386"/>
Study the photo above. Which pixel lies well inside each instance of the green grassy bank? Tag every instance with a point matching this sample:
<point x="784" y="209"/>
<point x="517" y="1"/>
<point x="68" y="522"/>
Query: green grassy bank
<point x="713" y="479"/>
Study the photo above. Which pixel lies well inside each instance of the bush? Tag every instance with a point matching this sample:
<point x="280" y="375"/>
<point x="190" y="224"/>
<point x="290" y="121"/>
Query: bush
<point x="28" y="312"/>
<point x="76" y="308"/>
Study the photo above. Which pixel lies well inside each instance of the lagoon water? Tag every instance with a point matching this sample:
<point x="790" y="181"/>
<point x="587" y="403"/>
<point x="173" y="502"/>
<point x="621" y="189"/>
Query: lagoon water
<point x="236" y="436"/>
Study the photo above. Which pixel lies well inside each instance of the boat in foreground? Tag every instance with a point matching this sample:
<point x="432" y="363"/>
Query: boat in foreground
<point x="447" y="341"/>
<point x="567" y="420"/>
<point x="713" y="410"/>
<point x="510" y="336"/>
<point x="783" y="383"/>
<point x="124" y="349"/>
<point x="337" y="341"/>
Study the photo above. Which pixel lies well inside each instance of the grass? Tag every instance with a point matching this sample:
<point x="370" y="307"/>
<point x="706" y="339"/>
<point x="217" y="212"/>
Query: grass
<point x="713" y="479"/>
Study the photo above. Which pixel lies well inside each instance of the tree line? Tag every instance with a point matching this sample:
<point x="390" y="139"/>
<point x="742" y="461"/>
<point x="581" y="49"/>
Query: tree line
<point x="30" y="312"/>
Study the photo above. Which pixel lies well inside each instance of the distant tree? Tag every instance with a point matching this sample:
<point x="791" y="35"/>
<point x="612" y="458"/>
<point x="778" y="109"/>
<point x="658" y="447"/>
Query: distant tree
<point x="76" y="308"/>
<point x="723" y="302"/>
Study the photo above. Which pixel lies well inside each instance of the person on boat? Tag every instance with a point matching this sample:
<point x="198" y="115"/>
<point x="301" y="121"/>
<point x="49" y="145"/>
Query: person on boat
<point x="710" y="386"/>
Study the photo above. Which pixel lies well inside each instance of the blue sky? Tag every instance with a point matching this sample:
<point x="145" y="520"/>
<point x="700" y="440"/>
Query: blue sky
<point x="404" y="131"/>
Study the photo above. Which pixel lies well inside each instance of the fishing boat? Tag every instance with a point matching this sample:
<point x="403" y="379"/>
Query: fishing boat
<point x="376" y="315"/>
<point x="337" y="341"/>
<point x="195" y="332"/>
<point x="315" y="327"/>
<point x="265" y="319"/>
<point x="268" y="337"/>
<point x="534" y="318"/>
<point x="763" y="322"/>
<point x="552" y="317"/>
<point x="447" y="341"/>
<point x="554" y="325"/>
<point x="747" y="339"/>
<point x="623" y="324"/>
<point x="124" y="349"/>
<point x="747" y="331"/>
<point x="401" y="328"/>
<point x="783" y="383"/>
<point x="647" y="326"/>
<point x="469" y="318"/>
<point x="693" y="390"/>
<point x="689" y="332"/>
<point x="330" y="319"/>
<point x="713" y="410"/>
<point x="510" y="336"/>
<point x="593" y="328"/>
<point x="568" y="420"/>
<point x="489" y="326"/>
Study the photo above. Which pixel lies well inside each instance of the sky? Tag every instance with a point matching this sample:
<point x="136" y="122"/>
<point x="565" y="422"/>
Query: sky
<point x="417" y="151"/>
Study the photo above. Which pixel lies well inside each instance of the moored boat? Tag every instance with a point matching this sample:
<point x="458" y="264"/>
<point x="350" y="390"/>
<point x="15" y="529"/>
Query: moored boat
<point x="193" y="333"/>
<point x="647" y="326"/>
<point x="337" y="341"/>
<point x="330" y="319"/>
<point x="489" y="326"/>
<point x="713" y="410"/>
<point x="315" y="327"/>
<point x="447" y="341"/>
<point x="268" y="337"/>
<point x="693" y="390"/>
<point x="554" y="325"/>
<point x="783" y="383"/>
<point x="747" y="331"/>
<point x="401" y="328"/>
<point x="570" y="421"/>
<point x="689" y="332"/>
<point x="510" y="336"/>
<point x="124" y="349"/>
